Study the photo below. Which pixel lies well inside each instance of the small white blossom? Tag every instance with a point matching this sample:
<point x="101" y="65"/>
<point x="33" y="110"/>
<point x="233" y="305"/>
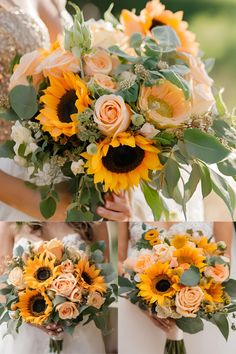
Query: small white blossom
<point x="148" y="131"/>
<point x="77" y="167"/>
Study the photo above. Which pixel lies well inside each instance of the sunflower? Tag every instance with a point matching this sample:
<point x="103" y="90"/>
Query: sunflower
<point x="164" y="105"/>
<point x="179" y="241"/>
<point x="35" y="307"/>
<point x="213" y="292"/>
<point x="154" y="15"/>
<point x="62" y="101"/>
<point x="208" y="247"/>
<point x="153" y="237"/>
<point x="123" y="161"/>
<point x="158" y="284"/>
<point x="188" y="255"/>
<point x="89" y="276"/>
<point x="40" y="271"/>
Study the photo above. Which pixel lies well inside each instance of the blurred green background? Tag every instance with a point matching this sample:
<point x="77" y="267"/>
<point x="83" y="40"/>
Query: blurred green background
<point x="213" y="21"/>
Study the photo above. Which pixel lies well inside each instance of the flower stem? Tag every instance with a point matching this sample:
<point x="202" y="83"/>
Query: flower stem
<point x="175" y="347"/>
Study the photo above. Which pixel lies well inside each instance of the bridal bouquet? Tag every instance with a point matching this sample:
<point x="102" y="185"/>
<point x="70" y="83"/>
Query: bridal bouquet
<point x="119" y="104"/>
<point x="51" y="283"/>
<point x="184" y="277"/>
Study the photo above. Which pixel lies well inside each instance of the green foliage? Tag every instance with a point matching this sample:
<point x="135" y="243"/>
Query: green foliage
<point x="204" y="146"/>
<point x="48" y="207"/>
<point x="221" y="321"/>
<point x="191" y="277"/>
<point x="154" y="200"/>
<point x="23" y="100"/>
<point x="230" y="288"/>
<point x="167" y="38"/>
<point x="190" y="325"/>
<point x="9" y="115"/>
<point x="177" y="80"/>
<point x="6" y="149"/>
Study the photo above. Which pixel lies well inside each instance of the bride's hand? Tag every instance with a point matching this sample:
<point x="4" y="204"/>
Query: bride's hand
<point x="165" y="325"/>
<point x="52" y="329"/>
<point x="117" y="207"/>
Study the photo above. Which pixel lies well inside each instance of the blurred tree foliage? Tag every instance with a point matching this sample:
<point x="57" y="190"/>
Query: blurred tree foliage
<point x="213" y="21"/>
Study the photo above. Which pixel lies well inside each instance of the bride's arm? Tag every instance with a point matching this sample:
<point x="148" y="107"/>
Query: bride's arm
<point x="6" y="241"/>
<point x="123" y="239"/>
<point x="16" y="194"/>
<point x="223" y="231"/>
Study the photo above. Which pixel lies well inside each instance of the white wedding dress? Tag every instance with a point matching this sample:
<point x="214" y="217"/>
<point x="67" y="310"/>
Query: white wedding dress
<point x="137" y="334"/>
<point x="30" y="340"/>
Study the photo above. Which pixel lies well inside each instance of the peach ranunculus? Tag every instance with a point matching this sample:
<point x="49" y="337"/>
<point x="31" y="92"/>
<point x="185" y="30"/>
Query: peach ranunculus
<point x="64" y="284"/>
<point x="112" y="115"/>
<point x="202" y="95"/>
<point x="67" y="266"/>
<point x="76" y="295"/>
<point x="99" y="61"/>
<point x="55" y="248"/>
<point x="58" y="62"/>
<point x="105" y="81"/>
<point x="96" y="300"/>
<point x="164" y="252"/>
<point x="219" y="273"/>
<point x="27" y="67"/>
<point x="188" y="301"/>
<point x="164" y="105"/>
<point x="67" y="310"/>
<point x="16" y="278"/>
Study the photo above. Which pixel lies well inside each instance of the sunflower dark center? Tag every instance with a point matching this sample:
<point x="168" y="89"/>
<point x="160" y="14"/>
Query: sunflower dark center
<point x="156" y="23"/>
<point x="66" y="106"/>
<point x="86" y="278"/>
<point x="163" y="285"/>
<point x="38" y="305"/>
<point x="123" y="159"/>
<point x="43" y="273"/>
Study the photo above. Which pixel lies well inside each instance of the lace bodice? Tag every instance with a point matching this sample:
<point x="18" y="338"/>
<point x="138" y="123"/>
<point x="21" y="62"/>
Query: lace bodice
<point x="136" y="229"/>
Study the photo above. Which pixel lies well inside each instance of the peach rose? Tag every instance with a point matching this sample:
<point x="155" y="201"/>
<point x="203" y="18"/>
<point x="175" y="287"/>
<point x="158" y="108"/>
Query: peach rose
<point x="105" y="82"/>
<point x="98" y="62"/>
<point x="112" y="115"/>
<point x="219" y="273"/>
<point x="67" y="310"/>
<point x="129" y="263"/>
<point x="96" y="300"/>
<point x="16" y="278"/>
<point x="58" y="62"/>
<point x="64" y="284"/>
<point x="164" y="252"/>
<point x="144" y="261"/>
<point x="76" y="295"/>
<point x="27" y="67"/>
<point x="67" y="266"/>
<point x="188" y="301"/>
<point x="55" y="247"/>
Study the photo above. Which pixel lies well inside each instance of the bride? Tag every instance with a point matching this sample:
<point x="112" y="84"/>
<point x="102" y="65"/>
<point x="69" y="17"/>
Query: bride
<point x="31" y="339"/>
<point x="138" y="332"/>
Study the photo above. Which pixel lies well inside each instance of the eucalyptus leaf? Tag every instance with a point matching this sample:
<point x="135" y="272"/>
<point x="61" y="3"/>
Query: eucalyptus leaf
<point x="117" y="51"/>
<point x="191" y="276"/>
<point x="23" y="100"/>
<point x="193" y="181"/>
<point x="136" y="40"/>
<point x="223" y="130"/>
<point x="78" y="215"/>
<point x="6" y="149"/>
<point x="124" y="282"/>
<point x="153" y="200"/>
<point x="48" y="207"/>
<point x="190" y="325"/>
<point x="230" y="287"/>
<point x="178" y="81"/>
<point x="228" y="167"/>
<point x="204" y="146"/>
<point x="206" y="182"/>
<point x="172" y="175"/>
<point x="209" y="64"/>
<point x="9" y="115"/>
<point x="222" y="323"/>
<point x="166" y="37"/>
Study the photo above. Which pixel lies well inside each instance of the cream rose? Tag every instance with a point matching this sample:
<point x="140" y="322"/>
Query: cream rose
<point x="76" y="295"/>
<point x="188" y="301"/>
<point x="112" y="115"/>
<point x="64" y="284"/>
<point x="16" y="278"/>
<point x="96" y="300"/>
<point x="67" y="310"/>
<point x="98" y="62"/>
<point x="164" y="252"/>
<point x="219" y="273"/>
<point x="105" y="81"/>
<point x="67" y="266"/>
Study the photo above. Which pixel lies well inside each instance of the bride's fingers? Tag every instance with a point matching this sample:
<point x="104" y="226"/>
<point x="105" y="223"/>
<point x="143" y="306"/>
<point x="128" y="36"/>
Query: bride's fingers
<point x="118" y="206"/>
<point x="111" y="215"/>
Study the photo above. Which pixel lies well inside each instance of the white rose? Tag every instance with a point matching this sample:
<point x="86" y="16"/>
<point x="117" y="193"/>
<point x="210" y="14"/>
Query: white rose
<point x="148" y="131"/>
<point x="105" y="35"/>
<point x="20" y="134"/>
<point x="77" y="167"/>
